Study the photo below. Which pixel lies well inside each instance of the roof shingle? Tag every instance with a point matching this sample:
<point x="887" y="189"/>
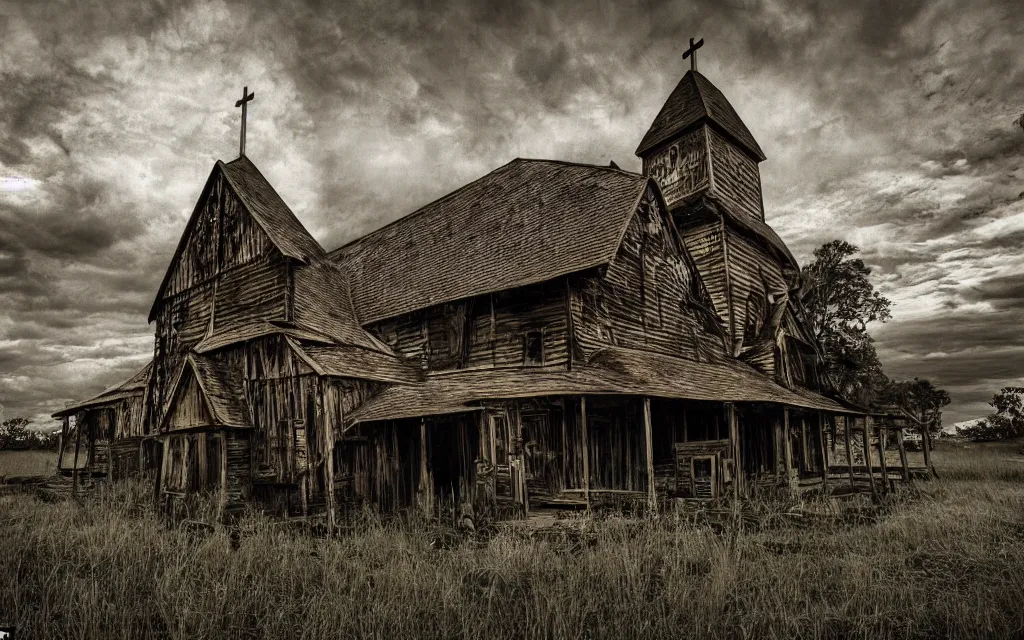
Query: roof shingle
<point x="693" y="101"/>
<point x="525" y="222"/>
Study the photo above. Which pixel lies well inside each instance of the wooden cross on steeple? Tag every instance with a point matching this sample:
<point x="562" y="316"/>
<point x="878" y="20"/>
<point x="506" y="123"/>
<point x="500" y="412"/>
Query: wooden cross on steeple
<point x="246" y="97"/>
<point x="691" y="53"/>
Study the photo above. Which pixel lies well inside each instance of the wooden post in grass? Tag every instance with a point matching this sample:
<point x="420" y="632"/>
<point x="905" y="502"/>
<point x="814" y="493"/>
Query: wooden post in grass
<point x="78" y="443"/>
<point x="867" y="454"/>
<point x="649" y="448"/>
<point x="849" y="446"/>
<point x="926" y="440"/>
<point x="586" y="451"/>
<point x="881" y="458"/>
<point x="788" y="448"/>
<point x="903" y="455"/>
<point x="63" y="441"/>
<point x="822" y="445"/>
<point x="734" y="438"/>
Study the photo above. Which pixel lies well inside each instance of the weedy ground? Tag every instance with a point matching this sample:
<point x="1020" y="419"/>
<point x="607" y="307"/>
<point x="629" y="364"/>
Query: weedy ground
<point x="945" y="559"/>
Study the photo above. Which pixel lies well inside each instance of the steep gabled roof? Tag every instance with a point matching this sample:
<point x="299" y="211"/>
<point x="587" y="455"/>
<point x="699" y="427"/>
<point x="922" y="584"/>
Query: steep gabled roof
<point x="133" y="386"/>
<point x="693" y="101"/>
<point x="526" y="222"/>
<point x="265" y="206"/>
<point x="273" y="215"/>
<point x="221" y="387"/>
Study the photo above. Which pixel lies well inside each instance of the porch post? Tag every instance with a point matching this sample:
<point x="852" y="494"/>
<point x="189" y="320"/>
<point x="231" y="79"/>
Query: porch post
<point x="586" y="450"/>
<point x="926" y="439"/>
<point x="649" y="448"/>
<point x="849" y="446"/>
<point x="63" y="440"/>
<point x="881" y="458"/>
<point x="824" y="452"/>
<point x="425" y="489"/>
<point x="903" y="455"/>
<point x="734" y="437"/>
<point x="328" y="425"/>
<point x="867" y="453"/>
<point x="787" y="450"/>
<point x="78" y="443"/>
<point x="223" y="474"/>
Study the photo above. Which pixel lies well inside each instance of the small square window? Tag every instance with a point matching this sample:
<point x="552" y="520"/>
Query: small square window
<point x="533" y="348"/>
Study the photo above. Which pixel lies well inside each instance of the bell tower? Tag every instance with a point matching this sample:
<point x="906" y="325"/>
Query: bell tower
<point x="706" y="162"/>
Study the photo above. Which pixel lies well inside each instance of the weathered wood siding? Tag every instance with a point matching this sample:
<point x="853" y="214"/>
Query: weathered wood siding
<point x="735" y="176"/>
<point x="228" y="268"/>
<point x="188" y="410"/>
<point x="645" y="299"/>
<point x="704" y="240"/>
<point x="484" y="332"/>
<point x="681" y="167"/>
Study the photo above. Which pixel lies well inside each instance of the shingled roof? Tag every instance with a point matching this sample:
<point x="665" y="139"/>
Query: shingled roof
<point x="525" y="222"/>
<point x="264" y="205"/>
<point x="269" y="210"/>
<point x="694" y="101"/>
<point x="222" y="388"/>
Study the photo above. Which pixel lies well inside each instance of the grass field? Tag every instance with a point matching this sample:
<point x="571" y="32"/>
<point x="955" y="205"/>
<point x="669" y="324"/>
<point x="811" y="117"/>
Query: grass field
<point x="946" y="560"/>
<point x="27" y="463"/>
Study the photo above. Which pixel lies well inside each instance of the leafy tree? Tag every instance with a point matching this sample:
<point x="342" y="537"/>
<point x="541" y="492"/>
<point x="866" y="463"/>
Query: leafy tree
<point x="1006" y="423"/>
<point x="840" y="302"/>
<point x="920" y="397"/>
<point x="16" y="434"/>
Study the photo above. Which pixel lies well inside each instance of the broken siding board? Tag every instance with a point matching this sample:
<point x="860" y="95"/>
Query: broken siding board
<point x="754" y="275"/>
<point x="258" y="291"/>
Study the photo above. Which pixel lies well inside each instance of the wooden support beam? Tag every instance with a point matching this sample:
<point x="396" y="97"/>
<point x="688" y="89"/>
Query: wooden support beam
<point x="823" y="447"/>
<point x="649" y="451"/>
<point x="737" y="460"/>
<point x="881" y="459"/>
<point x="926" y="441"/>
<point x="780" y="445"/>
<point x="328" y="427"/>
<point x="586" y="451"/>
<point x="78" y="444"/>
<point x="222" y="507"/>
<point x="867" y="453"/>
<point x="63" y="440"/>
<point x="425" y="488"/>
<point x="848" y="432"/>
<point x="903" y="456"/>
<point x="805" y="450"/>
<point x="787" y="448"/>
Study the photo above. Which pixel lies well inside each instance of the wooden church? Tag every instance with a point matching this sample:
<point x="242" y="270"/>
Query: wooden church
<point x="551" y="335"/>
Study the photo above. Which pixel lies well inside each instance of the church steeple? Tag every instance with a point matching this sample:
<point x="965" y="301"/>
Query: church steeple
<point x="698" y="143"/>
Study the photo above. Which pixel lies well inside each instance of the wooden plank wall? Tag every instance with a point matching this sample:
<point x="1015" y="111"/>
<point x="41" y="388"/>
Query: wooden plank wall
<point x="227" y="268"/>
<point x="754" y="274"/>
<point x="483" y="332"/>
<point x="644" y="299"/>
<point x="735" y="176"/>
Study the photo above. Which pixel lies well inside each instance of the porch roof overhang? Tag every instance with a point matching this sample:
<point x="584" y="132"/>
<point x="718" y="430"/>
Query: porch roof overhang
<point x="612" y="370"/>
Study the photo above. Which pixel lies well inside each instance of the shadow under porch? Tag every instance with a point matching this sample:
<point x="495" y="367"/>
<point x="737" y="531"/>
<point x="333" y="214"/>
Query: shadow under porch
<point x="514" y="458"/>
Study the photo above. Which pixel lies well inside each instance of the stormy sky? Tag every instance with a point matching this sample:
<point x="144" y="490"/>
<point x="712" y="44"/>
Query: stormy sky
<point x="889" y="124"/>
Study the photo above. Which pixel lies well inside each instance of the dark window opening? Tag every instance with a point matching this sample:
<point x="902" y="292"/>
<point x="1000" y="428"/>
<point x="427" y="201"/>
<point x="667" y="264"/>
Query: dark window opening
<point x="533" y="348"/>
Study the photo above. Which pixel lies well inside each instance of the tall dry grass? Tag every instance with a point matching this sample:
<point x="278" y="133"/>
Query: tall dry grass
<point x="947" y="561"/>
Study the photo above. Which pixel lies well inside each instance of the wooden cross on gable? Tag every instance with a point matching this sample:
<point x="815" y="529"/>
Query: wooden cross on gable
<point x="691" y="53"/>
<point x="246" y="97"/>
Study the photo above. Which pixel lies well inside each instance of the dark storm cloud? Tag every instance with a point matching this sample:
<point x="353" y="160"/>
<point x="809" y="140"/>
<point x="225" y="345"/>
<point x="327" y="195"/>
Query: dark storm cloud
<point x="889" y="124"/>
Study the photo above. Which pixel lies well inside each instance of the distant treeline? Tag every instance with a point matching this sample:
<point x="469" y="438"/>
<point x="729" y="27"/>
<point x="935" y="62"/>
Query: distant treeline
<point x="16" y="434"/>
